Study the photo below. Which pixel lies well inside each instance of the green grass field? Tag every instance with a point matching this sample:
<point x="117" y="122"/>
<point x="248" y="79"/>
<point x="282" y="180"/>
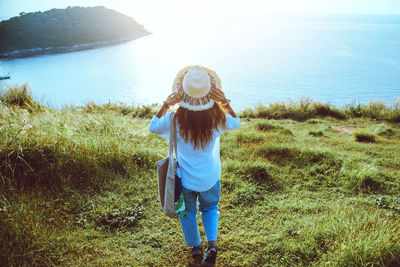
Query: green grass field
<point x="301" y="186"/>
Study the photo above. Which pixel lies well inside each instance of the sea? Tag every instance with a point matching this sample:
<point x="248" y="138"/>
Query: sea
<point x="336" y="59"/>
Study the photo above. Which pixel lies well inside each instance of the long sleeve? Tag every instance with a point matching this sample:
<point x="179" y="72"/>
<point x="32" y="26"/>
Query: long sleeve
<point x="161" y="126"/>
<point x="231" y="122"/>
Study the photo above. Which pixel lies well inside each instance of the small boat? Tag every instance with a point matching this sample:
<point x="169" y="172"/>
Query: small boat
<point x="4" y="77"/>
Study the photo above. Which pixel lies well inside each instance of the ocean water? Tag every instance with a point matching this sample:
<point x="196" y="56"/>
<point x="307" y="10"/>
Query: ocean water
<point x="339" y="59"/>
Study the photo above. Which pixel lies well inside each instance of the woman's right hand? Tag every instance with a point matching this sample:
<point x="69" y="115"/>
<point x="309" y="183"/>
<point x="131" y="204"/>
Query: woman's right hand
<point x="217" y="95"/>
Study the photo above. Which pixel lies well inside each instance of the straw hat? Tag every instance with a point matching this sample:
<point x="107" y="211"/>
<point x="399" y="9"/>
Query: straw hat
<point x="196" y="83"/>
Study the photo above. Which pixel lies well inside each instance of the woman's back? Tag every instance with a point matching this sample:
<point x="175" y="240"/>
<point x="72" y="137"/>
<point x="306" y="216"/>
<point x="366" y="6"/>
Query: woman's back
<point x="200" y="167"/>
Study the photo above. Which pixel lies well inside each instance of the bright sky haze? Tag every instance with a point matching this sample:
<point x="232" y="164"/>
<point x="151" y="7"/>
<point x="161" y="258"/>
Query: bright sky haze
<point x="156" y="14"/>
<point x="149" y="11"/>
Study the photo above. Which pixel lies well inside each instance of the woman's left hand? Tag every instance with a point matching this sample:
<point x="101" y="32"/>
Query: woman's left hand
<point x="174" y="98"/>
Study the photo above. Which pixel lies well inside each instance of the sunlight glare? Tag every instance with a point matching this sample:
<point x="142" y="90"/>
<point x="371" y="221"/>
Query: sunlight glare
<point x="158" y="14"/>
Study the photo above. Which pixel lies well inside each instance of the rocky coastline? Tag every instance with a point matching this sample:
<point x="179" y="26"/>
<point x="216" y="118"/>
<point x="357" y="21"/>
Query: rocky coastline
<point x="66" y="49"/>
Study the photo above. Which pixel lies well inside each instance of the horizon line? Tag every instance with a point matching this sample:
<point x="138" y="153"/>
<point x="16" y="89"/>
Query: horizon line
<point x="5" y="17"/>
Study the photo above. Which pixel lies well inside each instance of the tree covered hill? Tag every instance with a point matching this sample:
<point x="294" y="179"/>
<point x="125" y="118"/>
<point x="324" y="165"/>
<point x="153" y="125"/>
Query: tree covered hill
<point x="61" y="28"/>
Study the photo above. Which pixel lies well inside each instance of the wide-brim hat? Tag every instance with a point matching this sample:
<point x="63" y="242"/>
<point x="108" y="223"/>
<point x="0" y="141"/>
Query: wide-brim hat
<point x="196" y="82"/>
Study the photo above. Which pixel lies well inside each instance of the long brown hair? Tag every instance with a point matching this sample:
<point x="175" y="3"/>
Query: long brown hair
<point x="197" y="127"/>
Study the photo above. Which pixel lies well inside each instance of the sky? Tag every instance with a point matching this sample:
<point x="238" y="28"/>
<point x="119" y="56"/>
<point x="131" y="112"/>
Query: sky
<point x="153" y="12"/>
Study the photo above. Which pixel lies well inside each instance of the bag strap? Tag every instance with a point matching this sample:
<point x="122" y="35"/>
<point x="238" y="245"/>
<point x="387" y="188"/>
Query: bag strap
<point x="172" y="138"/>
<point x="175" y="138"/>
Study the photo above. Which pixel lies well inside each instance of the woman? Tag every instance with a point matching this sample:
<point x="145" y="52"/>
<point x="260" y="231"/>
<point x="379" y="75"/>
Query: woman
<point x="203" y="115"/>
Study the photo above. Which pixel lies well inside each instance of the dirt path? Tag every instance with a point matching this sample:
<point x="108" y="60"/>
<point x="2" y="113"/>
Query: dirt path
<point x="344" y="129"/>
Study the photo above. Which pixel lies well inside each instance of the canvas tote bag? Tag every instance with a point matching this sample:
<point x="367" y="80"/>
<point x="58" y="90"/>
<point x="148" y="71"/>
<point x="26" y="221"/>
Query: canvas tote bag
<point x="168" y="181"/>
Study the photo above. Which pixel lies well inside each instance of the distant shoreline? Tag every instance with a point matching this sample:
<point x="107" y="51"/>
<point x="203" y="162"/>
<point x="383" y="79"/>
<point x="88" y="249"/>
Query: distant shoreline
<point x="22" y="53"/>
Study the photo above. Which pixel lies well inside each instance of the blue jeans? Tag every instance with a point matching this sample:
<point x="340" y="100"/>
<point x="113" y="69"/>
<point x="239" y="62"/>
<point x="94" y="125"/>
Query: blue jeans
<point x="208" y="206"/>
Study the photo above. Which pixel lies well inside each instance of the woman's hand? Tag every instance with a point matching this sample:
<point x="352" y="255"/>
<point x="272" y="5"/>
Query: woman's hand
<point x="217" y="95"/>
<point x="173" y="99"/>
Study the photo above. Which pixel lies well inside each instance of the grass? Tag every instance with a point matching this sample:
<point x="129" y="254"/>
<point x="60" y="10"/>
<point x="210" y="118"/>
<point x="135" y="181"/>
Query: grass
<point x="317" y="133"/>
<point x="20" y="96"/>
<point x="362" y="136"/>
<point x="138" y="111"/>
<point x="78" y="187"/>
<point x="306" y="109"/>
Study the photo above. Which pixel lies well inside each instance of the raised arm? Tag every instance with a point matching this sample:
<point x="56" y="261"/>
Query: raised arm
<point x="219" y="96"/>
<point x="171" y="100"/>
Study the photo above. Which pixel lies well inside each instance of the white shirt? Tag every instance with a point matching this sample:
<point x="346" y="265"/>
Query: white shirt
<point x="199" y="169"/>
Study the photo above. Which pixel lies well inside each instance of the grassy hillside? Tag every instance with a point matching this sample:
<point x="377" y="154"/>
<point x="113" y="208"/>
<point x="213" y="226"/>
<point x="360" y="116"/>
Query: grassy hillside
<point x="78" y="187"/>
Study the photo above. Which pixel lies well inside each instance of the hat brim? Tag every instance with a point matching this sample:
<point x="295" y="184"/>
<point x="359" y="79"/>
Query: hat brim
<point x="196" y="104"/>
<point x="197" y="107"/>
<point x="178" y="81"/>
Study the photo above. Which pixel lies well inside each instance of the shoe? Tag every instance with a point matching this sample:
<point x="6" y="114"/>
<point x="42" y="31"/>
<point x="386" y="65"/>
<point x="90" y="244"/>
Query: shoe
<point x="197" y="254"/>
<point x="211" y="256"/>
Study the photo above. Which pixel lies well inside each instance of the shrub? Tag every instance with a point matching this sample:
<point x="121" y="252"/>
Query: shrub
<point x="300" y="111"/>
<point x="316" y="133"/>
<point x="364" y="137"/>
<point x="373" y="110"/>
<point x="20" y="96"/>
<point x="267" y="126"/>
<point x="395" y="117"/>
<point x="145" y="112"/>
<point x="305" y="109"/>
<point x="314" y="121"/>
<point x="247" y="113"/>
<point x="325" y="110"/>
<point x="392" y="113"/>
<point x="377" y="110"/>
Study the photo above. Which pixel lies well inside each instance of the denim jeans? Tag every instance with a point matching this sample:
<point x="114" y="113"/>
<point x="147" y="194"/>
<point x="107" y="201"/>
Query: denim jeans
<point x="208" y="206"/>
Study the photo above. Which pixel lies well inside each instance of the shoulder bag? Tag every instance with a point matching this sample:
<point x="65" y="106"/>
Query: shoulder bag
<point x="169" y="184"/>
